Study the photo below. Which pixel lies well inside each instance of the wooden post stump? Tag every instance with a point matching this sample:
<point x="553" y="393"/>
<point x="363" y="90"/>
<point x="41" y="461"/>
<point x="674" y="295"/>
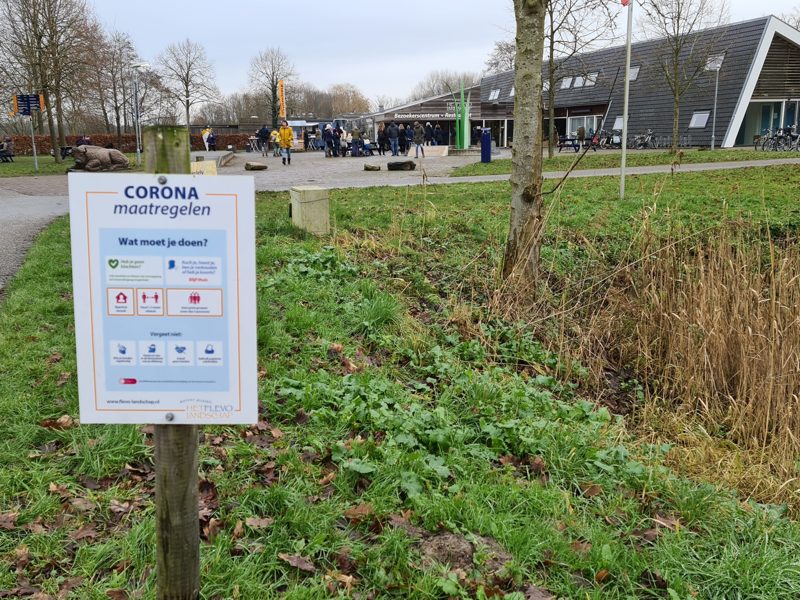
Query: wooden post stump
<point x="177" y="522"/>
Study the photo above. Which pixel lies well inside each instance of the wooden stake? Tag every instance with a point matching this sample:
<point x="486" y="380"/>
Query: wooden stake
<point x="177" y="521"/>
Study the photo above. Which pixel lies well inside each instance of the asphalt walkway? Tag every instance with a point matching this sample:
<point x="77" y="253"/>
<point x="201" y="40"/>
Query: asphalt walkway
<point x="28" y="204"/>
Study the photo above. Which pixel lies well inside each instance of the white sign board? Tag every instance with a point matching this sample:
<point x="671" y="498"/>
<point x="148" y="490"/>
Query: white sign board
<point x="164" y="291"/>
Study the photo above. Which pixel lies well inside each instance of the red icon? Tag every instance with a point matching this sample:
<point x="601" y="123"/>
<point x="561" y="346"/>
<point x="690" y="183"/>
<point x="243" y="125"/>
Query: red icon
<point x="127" y="381"/>
<point x="154" y="298"/>
<point x="122" y="298"/>
<point x="194" y="298"/>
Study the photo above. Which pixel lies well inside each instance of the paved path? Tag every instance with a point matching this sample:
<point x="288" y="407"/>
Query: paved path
<point x="21" y="218"/>
<point x="27" y="204"/>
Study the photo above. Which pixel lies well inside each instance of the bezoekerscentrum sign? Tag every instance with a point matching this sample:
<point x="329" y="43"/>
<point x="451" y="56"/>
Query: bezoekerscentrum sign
<point x="164" y="291"/>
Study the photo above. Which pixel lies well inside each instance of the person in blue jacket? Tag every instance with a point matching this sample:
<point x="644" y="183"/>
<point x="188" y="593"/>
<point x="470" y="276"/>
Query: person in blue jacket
<point x="409" y="138"/>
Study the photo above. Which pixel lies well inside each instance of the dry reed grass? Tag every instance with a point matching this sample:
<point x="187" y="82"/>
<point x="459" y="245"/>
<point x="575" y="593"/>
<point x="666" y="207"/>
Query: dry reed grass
<point x="710" y="324"/>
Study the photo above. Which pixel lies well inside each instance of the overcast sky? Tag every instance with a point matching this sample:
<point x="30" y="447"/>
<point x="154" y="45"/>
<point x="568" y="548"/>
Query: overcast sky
<point x="384" y="47"/>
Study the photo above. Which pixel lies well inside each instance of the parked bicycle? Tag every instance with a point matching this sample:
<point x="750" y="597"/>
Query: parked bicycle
<point x="647" y="140"/>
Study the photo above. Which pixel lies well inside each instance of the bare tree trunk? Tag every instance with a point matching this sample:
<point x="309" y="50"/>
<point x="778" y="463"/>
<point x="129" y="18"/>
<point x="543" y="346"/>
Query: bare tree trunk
<point x="521" y="259"/>
<point x="551" y="126"/>
<point x="62" y="135"/>
<point x="676" y="113"/>
<point x="551" y="93"/>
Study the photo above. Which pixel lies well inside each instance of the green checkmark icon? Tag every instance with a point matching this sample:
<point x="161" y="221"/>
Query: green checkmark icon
<point x="113" y="263"/>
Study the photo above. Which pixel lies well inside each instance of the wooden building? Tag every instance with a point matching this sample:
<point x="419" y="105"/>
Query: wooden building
<point x="759" y="88"/>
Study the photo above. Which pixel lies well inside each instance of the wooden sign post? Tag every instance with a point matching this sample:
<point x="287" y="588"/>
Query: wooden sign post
<point x="163" y="267"/>
<point x="177" y="519"/>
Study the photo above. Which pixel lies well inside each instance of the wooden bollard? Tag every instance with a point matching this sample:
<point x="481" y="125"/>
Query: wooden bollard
<point x="177" y="520"/>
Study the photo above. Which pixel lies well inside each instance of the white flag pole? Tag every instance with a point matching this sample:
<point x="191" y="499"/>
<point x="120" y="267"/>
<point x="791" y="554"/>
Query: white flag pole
<point x="625" y="103"/>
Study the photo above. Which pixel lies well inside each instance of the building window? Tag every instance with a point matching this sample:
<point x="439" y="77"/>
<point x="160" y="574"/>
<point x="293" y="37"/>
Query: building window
<point x="566" y="82"/>
<point x="511" y="93"/>
<point x="634" y="74"/>
<point x="494" y="94"/>
<point x="699" y="119"/>
<point x="579" y="81"/>
<point x="591" y="79"/>
<point x="546" y="85"/>
<point x="618" y="123"/>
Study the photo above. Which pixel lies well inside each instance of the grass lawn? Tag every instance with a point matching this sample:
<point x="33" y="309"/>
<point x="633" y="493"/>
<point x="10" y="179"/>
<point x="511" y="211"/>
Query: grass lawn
<point x="392" y="439"/>
<point x="23" y="165"/>
<point x="610" y="160"/>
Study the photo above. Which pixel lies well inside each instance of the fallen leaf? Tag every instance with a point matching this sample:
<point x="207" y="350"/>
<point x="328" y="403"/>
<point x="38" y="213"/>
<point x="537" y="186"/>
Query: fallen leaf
<point x="345" y="562"/>
<point x="61" y="423"/>
<point x="334" y="349"/>
<point x="54" y="358"/>
<point x="259" y="523"/>
<point x="41" y="596"/>
<point x="301" y="418"/>
<point x="276" y="433"/>
<point x="238" y="530"/>
<point x="87" y="532"/>
<point x="298" y="562"/>
<point x="533" y="592"/>
<point x="671" y="522"/>
<point x="648" y="535"/>
<point x="211" y="530"/>
<point x="590" y="490"/>
<point x="602" y="576"/>
<point x="581" y="547"/>
<point x="117" y="594"/>
<point x="67" y="586"/>
<point x="82" y="504"/>
<point x="337" y="581"/>
<point x="8" y="521"/>
<point x="63" y="378"/>
<point x="653" y="579"/>
<point x="61" y="490"/>
<point x="119" y="508"/>
<point x="22" y="557"/>
<point x="360" y="512"/>
<point x="328" y="479"/>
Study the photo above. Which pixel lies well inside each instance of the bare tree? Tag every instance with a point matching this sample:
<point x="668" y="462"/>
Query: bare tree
<point x="441" y="82"/>
<point x="521" y="258"/>
<point x="792" y="18"/>
<point x="266" y="70"/>
<point x="572" y="27"/>
<point x="187" y="75"/>
<point x="348" y="99"/>
<point x="43" y="41"/>
<point x="386" y="101"/>
<point x="683" y="56"/>
<point x="502" y="57"/>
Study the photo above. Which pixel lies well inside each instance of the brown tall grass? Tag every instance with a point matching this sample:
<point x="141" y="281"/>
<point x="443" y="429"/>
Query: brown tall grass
<point x="718" y="333"/>
<point x="707" y="328"/>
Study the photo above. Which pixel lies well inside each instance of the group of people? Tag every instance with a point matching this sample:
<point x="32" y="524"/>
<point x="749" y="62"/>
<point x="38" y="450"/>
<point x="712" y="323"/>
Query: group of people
<point x="398" y="139"/>
<point x="280" y="140"/>
<point x="337" y="142"/>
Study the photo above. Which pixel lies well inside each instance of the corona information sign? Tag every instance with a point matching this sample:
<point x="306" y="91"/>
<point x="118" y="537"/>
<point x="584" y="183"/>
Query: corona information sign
<point x="164" y="291"/>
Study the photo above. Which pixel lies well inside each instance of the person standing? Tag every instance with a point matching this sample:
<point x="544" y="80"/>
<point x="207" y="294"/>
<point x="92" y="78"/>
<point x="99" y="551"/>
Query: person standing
<point x="381" y="140"/>
<point x="204" y="134"/>
<point x="356" y="140"/>
<point x="428" y="133"/>
<point x="419" y="139"/>
<point x="211" y="141"/>
<point x="409" y="138"/>
<point x="263" y="140"/>
<point x="276" y="146"/>
<point x="393" y="135"/>
<point x="286" y="139"/>
<point x="438" y="135"/>
<point x="402" y="139"/>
